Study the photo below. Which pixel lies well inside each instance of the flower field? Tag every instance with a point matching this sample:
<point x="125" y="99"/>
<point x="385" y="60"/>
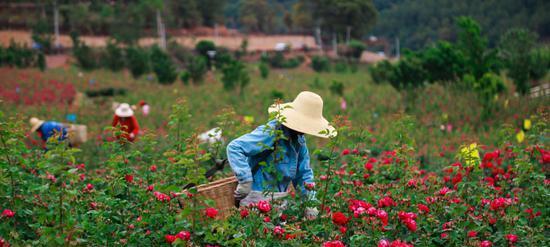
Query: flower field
<point x="439" y="174"/>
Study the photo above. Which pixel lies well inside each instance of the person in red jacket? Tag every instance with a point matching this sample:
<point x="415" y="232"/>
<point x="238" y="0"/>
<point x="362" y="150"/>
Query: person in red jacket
<point x="124" y="117"/>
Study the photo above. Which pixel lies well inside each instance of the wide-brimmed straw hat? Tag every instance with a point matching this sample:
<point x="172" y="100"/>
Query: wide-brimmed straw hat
<point x="124" y="110"/>
<point x="35" y="123"/>
<point x="305" y="114"/>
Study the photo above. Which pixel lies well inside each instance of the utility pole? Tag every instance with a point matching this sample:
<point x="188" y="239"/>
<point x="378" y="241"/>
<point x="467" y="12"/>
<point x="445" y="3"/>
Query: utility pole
<point x="318" y="37"/>
<point x="348" y="34"/>
<point x="335" y="44"/>
<point x="56" y="24"/>
<point x="397" y="49"/>
<point x="161" y="31"/>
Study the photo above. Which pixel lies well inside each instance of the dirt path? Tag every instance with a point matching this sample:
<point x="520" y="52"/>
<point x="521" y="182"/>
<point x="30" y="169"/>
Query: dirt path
<point x="255" y="42"/>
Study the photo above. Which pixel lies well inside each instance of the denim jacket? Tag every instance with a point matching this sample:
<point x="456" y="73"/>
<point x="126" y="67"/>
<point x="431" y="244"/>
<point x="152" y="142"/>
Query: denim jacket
<point x="245" y="152"/>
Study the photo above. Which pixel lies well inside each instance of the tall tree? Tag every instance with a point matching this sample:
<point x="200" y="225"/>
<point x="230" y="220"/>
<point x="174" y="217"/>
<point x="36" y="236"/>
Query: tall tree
<point x="340" y="15"/>
<point x="257" y="15"/>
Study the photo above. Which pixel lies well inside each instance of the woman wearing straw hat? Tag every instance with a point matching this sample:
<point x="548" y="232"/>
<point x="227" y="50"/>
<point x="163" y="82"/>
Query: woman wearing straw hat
<point x="124" y="117"/>
<point x="302" y="116"/>
<point x="47" y="129"/>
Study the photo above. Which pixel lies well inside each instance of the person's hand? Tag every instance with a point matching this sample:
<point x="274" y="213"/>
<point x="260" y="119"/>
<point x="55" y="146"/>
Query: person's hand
<point x="242" y="190"/>
<point x="311" y="213"/>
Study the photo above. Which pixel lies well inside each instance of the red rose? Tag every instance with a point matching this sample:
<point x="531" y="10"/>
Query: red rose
<point x="264" y="206"/>
<point x="383" y="216"/>
<point x="93" y="205"/>
<point x="278" y="230"/>
<point x="244" y="213"/>
<point x="339" y="218"/>
<point x="150" y="188"/>
<point x="184" y="235"/>
<point x="170" y="238"/>
<point x="153" y="168"/>
<point x="411" y="183"/>
<point x="486" y="243"/>
<point x="335" y="243"/>
<point x="368" y="166"/>
<point x="267" y="219"/>
<point x="512" y="238"/>
<point x="8" y="213"/>
<point x="444" y="235"/>
<point x="410" y="224"/>
<point x="129" y="178"/>
<point x="343" y="229"/>
<point x="423" y="208"/>
<point x="345" y="152"/>
<point x="472" y="234"/>
<point x="90" y="186"/>
<point x="211" y="212"/>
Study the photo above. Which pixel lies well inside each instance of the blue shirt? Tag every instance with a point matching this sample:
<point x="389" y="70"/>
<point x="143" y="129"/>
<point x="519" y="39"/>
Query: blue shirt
<point x="50" y="128"/>
<point x="245" y="152"/>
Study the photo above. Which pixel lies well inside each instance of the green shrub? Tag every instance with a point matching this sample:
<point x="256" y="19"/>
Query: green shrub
<point x="21" y="57"/>
<point x="276" y="94"/>
<point x="223" y="57"/>
<point x="337" y="88"/>
<point x="184" y="77"/>
<point x="41" y="61"/>
<point x="41" y="35"/>
<point x="381" y="71"/>
<point x="197" y="68"/>
<point x="341" y="67"/>
<point x="235" y="74"/>
<point x="264" y="70"/>
<point x="137" y="61"/>
<point x="356" y="48"/>
<point x="277" y="60"/>
<point x="408" y="73"/>
<point x="443" y="62"/>
<point x="163" y="66"/>
<point x="203" y="46"/>
<point x="320" y="64"/>
<point x="113" y="58"/>
<point x="85" y="56"/>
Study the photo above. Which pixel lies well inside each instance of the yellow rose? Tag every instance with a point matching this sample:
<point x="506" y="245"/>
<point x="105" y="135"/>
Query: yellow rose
<point x="470" y="154"/>
<point x="520" y="136"/>
<point x="527" y="124"/>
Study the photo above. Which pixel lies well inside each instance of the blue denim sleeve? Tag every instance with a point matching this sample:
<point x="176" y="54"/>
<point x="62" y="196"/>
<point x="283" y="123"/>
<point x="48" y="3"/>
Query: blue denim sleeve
<point x="242" y="148"/>
<point x="304" y="174"/>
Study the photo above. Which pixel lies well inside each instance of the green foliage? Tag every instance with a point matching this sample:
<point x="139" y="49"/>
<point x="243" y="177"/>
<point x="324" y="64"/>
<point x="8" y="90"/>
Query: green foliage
<point x="203" y="46"/>
<point x="337" y="16"/>
<point x="381" y="71"/>
<point x="163" y="66"/>
<point x="515" y="50"/>
<point x="478" y="58"/>
<point x="278" y="60"/>
<point x="181" y="54"/>
<point x="185" y="77"/>
<point x="223" y="57"/>
<point x="356" y="48"/>
<point x="113" y="57"/>
<point x="320" y="63"/>
<point x="197" y="68"/>
<point x="408" y="73"/>
<point x="337" y="88"/>
<point x="417" y="24"/>
<point x="488" y="88"/>
<point x="41" y="34"/>
<point x="21" y="57"/>
<point x="443" y="61"/>
<point x="264" y="70"/>
<point x="235" y="75"/>
<point x="137" y="60"/>
<point x="257" y="16"/>
<point x="85" y="56"/>
<point x="540" y="62"/>
<point x="341" y="67"/>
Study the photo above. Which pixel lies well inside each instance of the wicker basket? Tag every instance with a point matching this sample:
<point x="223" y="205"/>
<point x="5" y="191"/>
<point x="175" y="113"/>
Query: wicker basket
<point x="77" y="134"/>
<point x="221" y="192"/>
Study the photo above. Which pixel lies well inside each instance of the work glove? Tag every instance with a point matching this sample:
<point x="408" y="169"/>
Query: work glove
<point x="311" y="213"/>
<point x="242" y="190"/>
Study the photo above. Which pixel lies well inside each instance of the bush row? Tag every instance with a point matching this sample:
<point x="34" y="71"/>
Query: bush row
<point x="20" y="56"/>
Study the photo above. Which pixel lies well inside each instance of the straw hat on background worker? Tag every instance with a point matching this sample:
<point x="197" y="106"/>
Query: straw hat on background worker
<point x="35" y="123"/>
<point x="124" y="110"/>
<point x="305" y="114"/>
